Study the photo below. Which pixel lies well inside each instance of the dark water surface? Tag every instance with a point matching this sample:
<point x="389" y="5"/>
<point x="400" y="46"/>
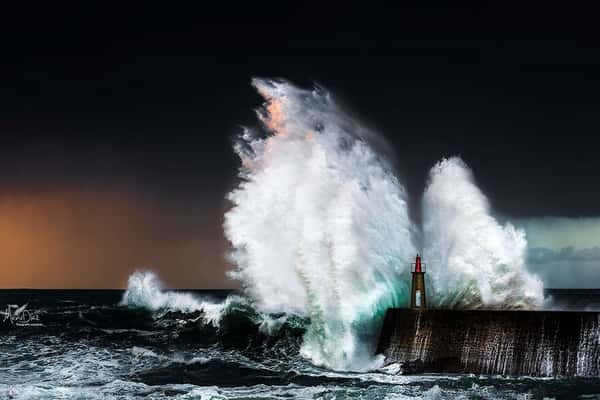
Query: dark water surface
<point x="81" y="344"/>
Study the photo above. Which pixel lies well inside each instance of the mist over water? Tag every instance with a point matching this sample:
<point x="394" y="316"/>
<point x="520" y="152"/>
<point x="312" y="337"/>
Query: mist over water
<point x="476" y="261"/>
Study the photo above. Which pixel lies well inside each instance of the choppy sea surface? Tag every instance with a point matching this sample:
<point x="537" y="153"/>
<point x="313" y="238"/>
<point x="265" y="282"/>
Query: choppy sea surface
<point x="84" y="344"/>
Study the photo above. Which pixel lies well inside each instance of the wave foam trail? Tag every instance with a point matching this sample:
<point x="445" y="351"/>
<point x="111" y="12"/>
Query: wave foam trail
<point x="478" y="262"/>
<point x="319" y="224"/>
<point x="144" y="290"/>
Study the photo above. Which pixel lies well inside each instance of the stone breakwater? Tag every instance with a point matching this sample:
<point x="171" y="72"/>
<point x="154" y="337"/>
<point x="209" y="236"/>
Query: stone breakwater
<point x="532" y="343"/>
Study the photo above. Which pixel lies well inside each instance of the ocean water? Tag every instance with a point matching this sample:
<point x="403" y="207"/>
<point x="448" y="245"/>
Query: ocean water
<point x="106" y="344"/>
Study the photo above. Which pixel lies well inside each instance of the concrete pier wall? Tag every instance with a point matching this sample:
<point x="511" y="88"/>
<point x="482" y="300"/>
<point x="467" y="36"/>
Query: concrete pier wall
<point x="533" y="343"/>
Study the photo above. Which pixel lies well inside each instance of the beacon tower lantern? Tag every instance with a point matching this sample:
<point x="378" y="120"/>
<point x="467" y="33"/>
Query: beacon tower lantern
<point x="417" y="293"/>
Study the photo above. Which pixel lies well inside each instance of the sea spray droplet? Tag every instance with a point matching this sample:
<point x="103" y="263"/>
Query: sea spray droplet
<point x="319" y="225"/>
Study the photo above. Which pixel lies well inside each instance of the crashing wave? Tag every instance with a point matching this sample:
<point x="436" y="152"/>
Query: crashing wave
<point x="319" y="224"/>
<point x="477" y="261"/>
<point x="145" y="290"/>
<point x="319" y="228"/>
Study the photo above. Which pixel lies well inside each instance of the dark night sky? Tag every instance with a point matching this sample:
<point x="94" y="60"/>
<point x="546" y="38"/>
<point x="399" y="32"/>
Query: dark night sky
<point x="143" y="102"/>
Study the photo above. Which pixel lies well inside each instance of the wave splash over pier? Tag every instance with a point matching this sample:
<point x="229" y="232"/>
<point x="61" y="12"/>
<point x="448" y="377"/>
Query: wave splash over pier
<point x="320" y="228"/>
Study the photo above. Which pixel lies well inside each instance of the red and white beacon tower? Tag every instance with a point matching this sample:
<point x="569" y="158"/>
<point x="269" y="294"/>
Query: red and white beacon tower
<point x="417" y="293"/>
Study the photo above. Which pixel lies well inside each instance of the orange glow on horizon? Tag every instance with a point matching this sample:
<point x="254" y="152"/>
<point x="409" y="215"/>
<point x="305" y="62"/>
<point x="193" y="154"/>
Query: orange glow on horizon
<point x="96" y="239"/>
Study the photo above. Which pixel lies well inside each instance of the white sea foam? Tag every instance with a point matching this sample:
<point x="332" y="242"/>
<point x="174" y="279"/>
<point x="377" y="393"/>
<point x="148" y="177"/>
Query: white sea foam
<point x="319" y="224"/>
<point x="144" y="290"/>
<point x="476" y="261"/>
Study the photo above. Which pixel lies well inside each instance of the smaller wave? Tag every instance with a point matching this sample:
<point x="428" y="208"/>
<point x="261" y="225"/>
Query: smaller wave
<point x="145" y="291"/>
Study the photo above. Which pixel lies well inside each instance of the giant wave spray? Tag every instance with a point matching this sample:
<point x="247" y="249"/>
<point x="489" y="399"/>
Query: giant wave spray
<point x="319" y="227"/>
